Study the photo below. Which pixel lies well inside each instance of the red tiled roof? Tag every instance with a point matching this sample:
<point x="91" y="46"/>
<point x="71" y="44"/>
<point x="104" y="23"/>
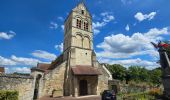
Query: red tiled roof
<point x="2" y="69"/>
<point x="85" y="70"/>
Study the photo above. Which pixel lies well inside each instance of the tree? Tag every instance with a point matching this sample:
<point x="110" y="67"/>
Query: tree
<point x="138" y="73"/>
<point x="117" y="71"/>
<point x="135" y="73"/>
<point x="155" y="76"/>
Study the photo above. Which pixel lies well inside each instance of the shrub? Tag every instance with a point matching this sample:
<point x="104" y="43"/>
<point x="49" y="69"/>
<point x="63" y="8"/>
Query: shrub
<point x="8" y="95"/>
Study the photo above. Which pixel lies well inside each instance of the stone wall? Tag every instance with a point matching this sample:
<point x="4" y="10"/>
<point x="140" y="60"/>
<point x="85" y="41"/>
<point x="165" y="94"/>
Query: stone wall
<point x="103" y="79"/>
<point x="54" y="80"/>
<point x="83" y="57"/>
<point x="23" y="84"/>
<point x="129" y="88"/>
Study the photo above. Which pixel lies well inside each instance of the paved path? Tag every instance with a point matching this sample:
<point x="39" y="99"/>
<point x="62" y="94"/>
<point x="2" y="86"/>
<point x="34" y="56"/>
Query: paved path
<point x="72" y="98"/>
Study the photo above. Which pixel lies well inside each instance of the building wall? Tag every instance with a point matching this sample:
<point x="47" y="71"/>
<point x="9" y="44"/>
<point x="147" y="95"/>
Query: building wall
<point x="54" y="80"/>
<point x="83" y="57"/>
<point x="102" y="80"/>
<point x="24" y="85"/>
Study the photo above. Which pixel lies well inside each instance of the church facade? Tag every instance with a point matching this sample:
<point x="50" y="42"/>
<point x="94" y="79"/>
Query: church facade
<point x="76" y="72"/>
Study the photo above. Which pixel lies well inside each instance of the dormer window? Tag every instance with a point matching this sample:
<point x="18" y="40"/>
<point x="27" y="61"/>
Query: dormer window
<point x="78" y="23"/>
<point x="82" y="12"/>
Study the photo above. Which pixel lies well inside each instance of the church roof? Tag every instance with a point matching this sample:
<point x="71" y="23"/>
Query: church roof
<point x="85" y="70"/>
<point x="42" y="67"/>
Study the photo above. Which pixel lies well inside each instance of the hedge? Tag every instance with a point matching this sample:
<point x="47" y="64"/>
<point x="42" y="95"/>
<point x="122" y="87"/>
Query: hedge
<point x="8" y="95"/>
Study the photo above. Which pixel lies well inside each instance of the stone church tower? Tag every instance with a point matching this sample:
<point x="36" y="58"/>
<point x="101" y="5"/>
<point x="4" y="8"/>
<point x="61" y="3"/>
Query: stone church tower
<point x="82" y="74"/>
<point x="76" y="72"/>
<point x="78" y="36"/>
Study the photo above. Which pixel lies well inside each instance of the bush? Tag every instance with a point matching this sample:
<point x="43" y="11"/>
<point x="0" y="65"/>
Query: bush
<point x="8" y="95"/>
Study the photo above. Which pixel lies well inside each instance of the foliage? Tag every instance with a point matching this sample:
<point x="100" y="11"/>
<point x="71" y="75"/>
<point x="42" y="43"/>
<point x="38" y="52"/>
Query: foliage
<point x="8" y="95"/>
<point x="135" y="73"/>
<point x="118" y="71"/>
<point x="155" y="76"/>
<point x="138" y="73"/>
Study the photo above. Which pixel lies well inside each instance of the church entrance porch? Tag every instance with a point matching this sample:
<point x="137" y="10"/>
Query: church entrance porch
<point x="86" y="85"/>
<point x="85" y="80"/>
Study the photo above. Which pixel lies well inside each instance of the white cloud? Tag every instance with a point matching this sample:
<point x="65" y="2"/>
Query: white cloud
<point x="59" y="47"/>
<point x="7" y="35"/>
<point x="62" y="27"/>
<point x="13" y="69"/>
<point x="98" y="24"/>
<point x="44" y="54"/>
<point x="60" y="18"/>
<point x="140" y="16"/>
<point x="53" y="25"/>
<point x="25" y="61"/>
<point x="5" y="61"/>
<point x="132" y="62"/>
<point x="121" y="46"/>
<point x="127" y="28"/>
<point x="106" y="18"/>
<point x="96" y="31"/>
<point x="22" y="69"/>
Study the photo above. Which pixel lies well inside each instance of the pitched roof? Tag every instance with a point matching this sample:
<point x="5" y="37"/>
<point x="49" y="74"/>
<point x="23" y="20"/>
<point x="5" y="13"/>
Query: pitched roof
<point x="43" y="66"/>
<point x="85" y="70"/>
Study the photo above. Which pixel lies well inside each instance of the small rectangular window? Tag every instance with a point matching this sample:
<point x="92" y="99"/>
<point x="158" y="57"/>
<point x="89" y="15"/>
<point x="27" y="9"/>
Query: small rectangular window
<point x="82" y="12"/>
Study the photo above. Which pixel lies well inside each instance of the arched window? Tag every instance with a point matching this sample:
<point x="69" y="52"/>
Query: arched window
<point x="78" y="23"/>
<point x="79" y="40"/>
<point x="86" y="26"/>
<point x="86" y="42"/>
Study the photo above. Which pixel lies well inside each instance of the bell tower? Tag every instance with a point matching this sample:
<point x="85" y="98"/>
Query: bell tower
<point x="78" y="36"/>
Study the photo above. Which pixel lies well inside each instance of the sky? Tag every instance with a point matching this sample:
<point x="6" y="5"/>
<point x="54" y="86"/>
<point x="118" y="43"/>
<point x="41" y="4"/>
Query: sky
<point x="31" y="31"/>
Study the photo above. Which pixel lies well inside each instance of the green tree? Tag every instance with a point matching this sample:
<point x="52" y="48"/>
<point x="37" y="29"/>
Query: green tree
<point x="138" y="73"/>
<point x="118" y="71"/>
<point x="155" y="76"/>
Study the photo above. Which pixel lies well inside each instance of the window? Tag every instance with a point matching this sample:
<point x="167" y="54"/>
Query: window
<point x="86" y="27"/>
<point x="78" y="23"/>
<point x="82" y="12"/>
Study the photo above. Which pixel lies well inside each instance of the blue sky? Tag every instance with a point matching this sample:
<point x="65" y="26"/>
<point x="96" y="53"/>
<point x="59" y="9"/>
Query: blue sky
<point x="31" y="31"/>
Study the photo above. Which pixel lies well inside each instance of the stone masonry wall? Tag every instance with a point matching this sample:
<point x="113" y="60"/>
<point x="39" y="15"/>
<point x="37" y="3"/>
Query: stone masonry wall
<point x="22" y="84"/>
<point x="54" y="80"/>
<point x="103" y="80"/>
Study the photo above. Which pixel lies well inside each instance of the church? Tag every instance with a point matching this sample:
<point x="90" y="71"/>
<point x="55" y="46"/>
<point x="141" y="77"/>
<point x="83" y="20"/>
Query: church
<point x="76" y="72"/>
